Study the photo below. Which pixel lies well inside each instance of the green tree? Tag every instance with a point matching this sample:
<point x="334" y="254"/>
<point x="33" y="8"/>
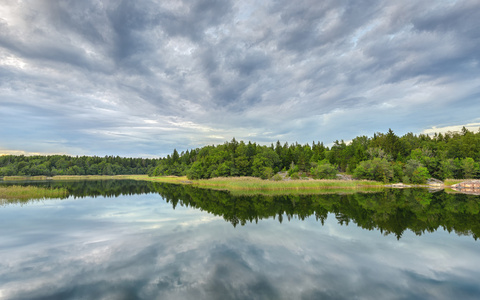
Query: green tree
<point x="378" y="169"/>
<point x="469" y="167"/>
<point x="324" y="170"/>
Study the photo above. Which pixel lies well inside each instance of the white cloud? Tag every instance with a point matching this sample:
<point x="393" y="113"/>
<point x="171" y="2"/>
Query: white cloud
<point x="207" y="70"/>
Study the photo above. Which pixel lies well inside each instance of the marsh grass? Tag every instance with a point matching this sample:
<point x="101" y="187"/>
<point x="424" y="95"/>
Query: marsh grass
<point x="17" y="178"/>
<point x="91" y="177"/>
<point x="450" y="182"/>
<point x="253" y="185"/>
<point x="16" y="192"/>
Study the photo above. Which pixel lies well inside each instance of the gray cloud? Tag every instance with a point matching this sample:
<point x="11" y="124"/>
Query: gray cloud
<point x="98" y="76"/>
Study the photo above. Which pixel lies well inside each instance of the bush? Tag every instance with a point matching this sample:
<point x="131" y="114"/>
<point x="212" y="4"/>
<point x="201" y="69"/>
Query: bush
<point x="293" y="169"/>
<point x="277" y="177"/>
<point x="324" y="170"/>
<point x="267" y="173"/>
<point x="295" y="176"/>
<point x="378" y="169"/>
<point x="420" y="175"/>
<point x="415" y="172"/>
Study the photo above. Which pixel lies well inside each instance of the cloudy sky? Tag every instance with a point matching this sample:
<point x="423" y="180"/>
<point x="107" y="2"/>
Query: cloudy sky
<point x="140" y="78"/>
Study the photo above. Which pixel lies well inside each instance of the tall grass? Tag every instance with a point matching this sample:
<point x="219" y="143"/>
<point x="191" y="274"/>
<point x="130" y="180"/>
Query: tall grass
<point x="90" y="177"/>
<point x="16" y="192"/>
<point x="73" y="177"/>
<point x="17" y="178"/>
<point x="253" y="185"/>
<point x="450" y="182"/>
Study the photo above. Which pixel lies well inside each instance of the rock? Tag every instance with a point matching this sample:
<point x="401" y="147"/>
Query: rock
<point x="468" y="187"/>
<point x="344" y="177"/>
<point x="399" y="185"/>
<point x="434" y="182"/>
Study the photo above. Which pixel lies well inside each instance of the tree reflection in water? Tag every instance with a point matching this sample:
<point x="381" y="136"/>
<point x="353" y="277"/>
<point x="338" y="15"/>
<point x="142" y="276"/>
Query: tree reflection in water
<point x="392" y="211"/>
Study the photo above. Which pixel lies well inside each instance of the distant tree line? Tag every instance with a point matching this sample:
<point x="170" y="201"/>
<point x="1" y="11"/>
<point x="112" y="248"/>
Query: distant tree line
<point x="384" y="157"/>
<point x="51" y="165"/>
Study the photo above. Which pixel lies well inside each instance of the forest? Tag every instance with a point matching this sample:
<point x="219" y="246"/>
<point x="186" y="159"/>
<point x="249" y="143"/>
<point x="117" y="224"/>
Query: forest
<point x="52" y="165"/>
<point x="384" y="157"/>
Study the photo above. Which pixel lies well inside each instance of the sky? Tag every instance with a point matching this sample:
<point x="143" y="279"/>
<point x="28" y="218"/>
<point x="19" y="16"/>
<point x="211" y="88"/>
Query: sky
<point x="141" y="78"/>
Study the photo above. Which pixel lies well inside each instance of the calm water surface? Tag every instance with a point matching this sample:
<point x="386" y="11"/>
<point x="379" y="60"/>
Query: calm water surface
<point x="130" y="240"/>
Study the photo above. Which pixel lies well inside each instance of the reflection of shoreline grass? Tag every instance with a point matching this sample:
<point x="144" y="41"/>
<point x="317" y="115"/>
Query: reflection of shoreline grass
<point x="16" y="192"/>
<point x="68" y="177"/>
<point x="247" y="185"/>
<point x="304" y="192"/>
<point x="18" y="178"/>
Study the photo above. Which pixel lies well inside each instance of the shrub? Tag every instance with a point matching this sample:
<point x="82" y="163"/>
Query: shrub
<point x="267" y="173"/>
<point x="295" y="176"/>
<point x="324" y="170"/>
<point x="277" y="177"/>
<point x="378" y="169"/>
<point x="293" y="169"/>
<point x="420" y="175"/>
<point x="415" y="172"/>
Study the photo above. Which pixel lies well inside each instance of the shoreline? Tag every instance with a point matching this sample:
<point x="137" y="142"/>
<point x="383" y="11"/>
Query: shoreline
<point x="253" y="185"/>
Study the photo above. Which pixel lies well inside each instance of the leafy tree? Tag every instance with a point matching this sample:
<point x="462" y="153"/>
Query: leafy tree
<point x="324" y="170"/>
<point x="378" y="169"/>
<point x="415" y="172"/>
<point x="469" y="167"/>
<point x="420" y="175"/>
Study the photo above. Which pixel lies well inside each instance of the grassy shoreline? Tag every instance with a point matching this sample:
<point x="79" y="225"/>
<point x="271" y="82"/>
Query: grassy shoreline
<point x="248" y="185"/>
<point x="254" y="185"/>
<point x="16" y="192"/>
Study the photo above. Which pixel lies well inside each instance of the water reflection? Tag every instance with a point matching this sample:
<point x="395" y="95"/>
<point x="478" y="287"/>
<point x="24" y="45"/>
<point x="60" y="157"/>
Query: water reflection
<point x="138" y="247"/>
<point x="392" y="211"/>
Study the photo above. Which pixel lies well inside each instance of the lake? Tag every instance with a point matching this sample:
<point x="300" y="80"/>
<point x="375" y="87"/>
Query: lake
<point x="143" y="240"/>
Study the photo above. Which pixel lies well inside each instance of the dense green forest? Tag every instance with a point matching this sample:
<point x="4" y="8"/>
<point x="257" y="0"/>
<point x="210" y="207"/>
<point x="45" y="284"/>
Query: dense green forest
<point x="384" y="157"/>
<point x="20" y="165"/>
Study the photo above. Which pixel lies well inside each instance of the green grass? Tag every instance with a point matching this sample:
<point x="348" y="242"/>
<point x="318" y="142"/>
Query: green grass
<point x="252" y="185"/>
<point x="450" y="182"/>
<point x="17" y="178"/>
<point x="71" y="177"/>
<point x="92" y="177"/>
<point x="16" y="192"/>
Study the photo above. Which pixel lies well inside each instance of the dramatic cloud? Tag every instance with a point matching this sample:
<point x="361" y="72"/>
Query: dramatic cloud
<point x="140" y="78"/>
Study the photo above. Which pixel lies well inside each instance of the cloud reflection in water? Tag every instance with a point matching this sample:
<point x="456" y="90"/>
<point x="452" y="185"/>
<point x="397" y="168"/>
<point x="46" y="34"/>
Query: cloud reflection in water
<point x="137" y="247"/>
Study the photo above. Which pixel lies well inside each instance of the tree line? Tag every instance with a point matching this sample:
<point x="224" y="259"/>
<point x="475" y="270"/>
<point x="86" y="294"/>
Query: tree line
<point x="384" y="157"/>
<point x="51" y="165"/>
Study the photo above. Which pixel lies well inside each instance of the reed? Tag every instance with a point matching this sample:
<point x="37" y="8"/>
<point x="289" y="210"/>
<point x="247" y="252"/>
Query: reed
<point x="450" y="182"/>
<point x="90" y="177"/>
<point x="257" y="185"/>
<point x="18" y="178"/>
<point x="16" y="192"/>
